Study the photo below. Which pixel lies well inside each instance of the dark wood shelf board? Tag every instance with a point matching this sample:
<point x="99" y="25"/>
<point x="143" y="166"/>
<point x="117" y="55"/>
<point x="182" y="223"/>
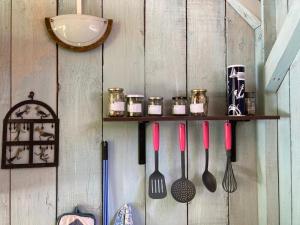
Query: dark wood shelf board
<point x="27" y="143"/>
<point x="181" y="118"/>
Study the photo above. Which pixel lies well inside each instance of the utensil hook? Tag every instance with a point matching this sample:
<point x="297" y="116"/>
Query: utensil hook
<point x="79" y="7"/>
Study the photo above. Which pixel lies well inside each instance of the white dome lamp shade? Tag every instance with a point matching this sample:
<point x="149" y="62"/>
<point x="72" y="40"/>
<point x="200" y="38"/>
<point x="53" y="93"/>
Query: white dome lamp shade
<point x="78" y="32"/>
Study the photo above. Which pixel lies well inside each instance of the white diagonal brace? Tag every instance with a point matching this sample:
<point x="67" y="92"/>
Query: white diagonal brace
<point x="248" y="16"/>
<point x="284" y="50"/>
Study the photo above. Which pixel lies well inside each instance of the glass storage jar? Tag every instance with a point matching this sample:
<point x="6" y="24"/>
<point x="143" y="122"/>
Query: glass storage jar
<point x="155" y="106"/>
<point x="135" y="105"/>
<point x="199" y="102"/>
<point x="116" y="102"/>
<point x="250" y="100"/>
<point x="179" y="105"/>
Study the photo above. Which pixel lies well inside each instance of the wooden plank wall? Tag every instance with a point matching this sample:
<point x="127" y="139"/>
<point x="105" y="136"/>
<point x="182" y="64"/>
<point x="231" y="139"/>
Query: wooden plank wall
<point x="206" y="30"/>
<point x="123" y="66"/>
<point x="295" y="143"/>
<point x="267" y="160"/>
<point x="161" y="48"/>
<point x="288" y="128"/>
<point x="287" y="135"/>
<point x="5" y="100"/>
<point x="241" y="47"/>
<point x="165" y="63"/>
<point x="33" y="68"/>
<point x="79" y="173"/>
<point x="284" y="132"/>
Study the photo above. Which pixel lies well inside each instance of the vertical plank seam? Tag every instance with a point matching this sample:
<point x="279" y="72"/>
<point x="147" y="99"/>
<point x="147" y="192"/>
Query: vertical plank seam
<point x="226" y="63"/>
<point x="186" y="93"/>
<point x="278" y="177"/>
<point x="277" y="148"/>
<point x="57" y="93"/>
<point x="145" y="167"/>
<point x="291" y="151"/>
<point x="10" y="98"/>
<point x="102" y="112"/>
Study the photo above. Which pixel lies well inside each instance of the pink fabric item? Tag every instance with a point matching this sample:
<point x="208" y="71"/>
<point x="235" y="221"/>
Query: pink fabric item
<point x="69" y="219"/>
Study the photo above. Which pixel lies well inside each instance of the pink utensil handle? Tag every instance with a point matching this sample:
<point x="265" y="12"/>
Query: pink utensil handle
<point x="205" y="132"/>
<point x="227" y="129"/>
<point x="155" y="133"/>
<point x="182" y="137"/>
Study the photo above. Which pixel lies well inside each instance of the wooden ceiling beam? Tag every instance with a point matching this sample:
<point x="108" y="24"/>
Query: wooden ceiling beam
<point x="284" y="50"/>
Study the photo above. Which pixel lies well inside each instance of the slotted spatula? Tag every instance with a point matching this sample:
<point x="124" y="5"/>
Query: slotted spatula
<point x="157" y="184"/>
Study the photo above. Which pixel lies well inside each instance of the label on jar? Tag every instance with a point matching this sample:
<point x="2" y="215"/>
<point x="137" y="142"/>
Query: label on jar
<point x="134" y="108"/>
<point x="179" y="110"/>
<point x="117" y="106"/>
<point x="196" y="108"/>
<point x="154" y="109"/>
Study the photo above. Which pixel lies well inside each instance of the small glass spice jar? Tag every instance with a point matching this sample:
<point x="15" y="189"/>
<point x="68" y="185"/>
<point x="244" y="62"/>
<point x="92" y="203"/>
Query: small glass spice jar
<point x="250" y="103"/>
<point x="199" y="102"/>
<point x="135" y="105"/>
<point x="116" y="102"/>
<point x="155" y="106"/>
<point x="179" y="105"/>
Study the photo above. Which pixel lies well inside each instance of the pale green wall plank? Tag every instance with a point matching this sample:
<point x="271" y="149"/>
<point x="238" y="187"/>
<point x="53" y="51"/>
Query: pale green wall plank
<point x="284" y="155"/>
<point x="33" y="191"/>
<point x="124" y="67"/>
<point x="268" y="205"/>
<point x="281" y="12"/>
<point x="5" y="43"/>
<point x="284" y="152"/>
<point x="269" y="25"/>
<point x="79" y="106"/>
<point x="165" y="76"/>
<point x="295" y="141"/>
<point x="241" y="50"/>
<point x="206" y="69"/>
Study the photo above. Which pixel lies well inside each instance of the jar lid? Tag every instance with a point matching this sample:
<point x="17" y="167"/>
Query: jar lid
<point x="155" y="98"/>
<point x="237" y="65"/>
<point x="134" y="96"/>
<point x="179" y="98"/>
<point x="250" y="94"/>
<point x="115" y="89"/>
<point x="198" y="90"/>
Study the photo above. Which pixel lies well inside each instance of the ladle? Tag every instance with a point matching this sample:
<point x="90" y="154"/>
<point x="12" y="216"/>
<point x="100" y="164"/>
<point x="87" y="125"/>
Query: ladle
<point x="208" y="179"/>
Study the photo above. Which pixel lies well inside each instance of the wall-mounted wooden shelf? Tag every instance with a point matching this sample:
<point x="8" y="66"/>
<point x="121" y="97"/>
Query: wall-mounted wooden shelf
<point x="179" y="118"/>
<point x="145" y="119"/>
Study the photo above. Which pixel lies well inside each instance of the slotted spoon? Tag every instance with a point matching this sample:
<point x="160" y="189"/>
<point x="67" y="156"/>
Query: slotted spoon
<point x="157" y="184"/>
<point x="183" y="190"/>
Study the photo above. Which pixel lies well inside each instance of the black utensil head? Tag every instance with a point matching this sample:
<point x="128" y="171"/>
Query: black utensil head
<point x="183" y="190"/>
<point x="209" y="181"/>
<point x="157" y="186"/>
<point x="229" y="183"/>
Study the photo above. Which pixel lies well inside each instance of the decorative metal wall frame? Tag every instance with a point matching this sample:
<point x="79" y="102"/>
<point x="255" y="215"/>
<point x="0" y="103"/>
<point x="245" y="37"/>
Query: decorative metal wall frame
<point x="30" y="136"/>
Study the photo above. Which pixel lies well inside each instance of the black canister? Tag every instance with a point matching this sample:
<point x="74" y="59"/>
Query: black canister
<point x="236" y="90"/>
